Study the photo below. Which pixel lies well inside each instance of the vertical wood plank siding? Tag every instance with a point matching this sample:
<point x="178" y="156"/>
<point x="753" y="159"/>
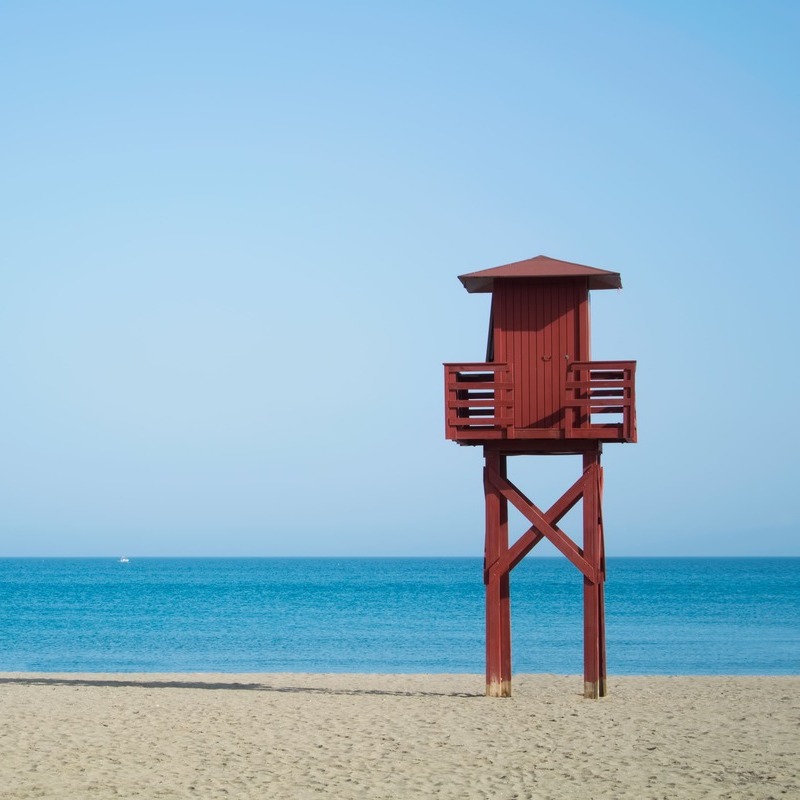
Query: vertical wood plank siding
<point x="537" y="324"/>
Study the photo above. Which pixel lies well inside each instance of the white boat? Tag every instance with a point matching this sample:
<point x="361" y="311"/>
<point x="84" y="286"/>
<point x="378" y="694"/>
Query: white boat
<point x="124" y="560"/>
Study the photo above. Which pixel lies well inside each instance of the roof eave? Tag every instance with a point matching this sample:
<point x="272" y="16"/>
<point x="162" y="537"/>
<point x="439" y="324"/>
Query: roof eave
<point x="484" y="284"/>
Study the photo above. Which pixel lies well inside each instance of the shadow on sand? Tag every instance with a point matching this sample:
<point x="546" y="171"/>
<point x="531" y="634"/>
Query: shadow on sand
<point x="32" y="680"/>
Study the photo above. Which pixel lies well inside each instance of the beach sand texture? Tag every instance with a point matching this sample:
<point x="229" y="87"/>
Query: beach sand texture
<point x="396" y="736"/>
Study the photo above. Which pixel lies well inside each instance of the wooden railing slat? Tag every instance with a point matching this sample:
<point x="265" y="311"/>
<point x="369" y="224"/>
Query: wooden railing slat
<point x="587" y="402"/>
<point x="600" y="387"/>
<point x="482" y="406"/>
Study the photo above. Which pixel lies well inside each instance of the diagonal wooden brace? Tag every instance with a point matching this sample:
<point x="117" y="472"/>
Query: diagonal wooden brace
<point x="557" y="511"/>
<point x="543" y="525"/>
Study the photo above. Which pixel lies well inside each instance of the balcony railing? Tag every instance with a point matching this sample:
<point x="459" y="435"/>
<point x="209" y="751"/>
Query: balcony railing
<point x="601" y="400"/>
<point x="599" y="403"/>
<point x="479" y="401"/>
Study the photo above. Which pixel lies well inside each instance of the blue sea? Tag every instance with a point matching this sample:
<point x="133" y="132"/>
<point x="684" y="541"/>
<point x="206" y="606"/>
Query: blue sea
<point x="688" y="616"/>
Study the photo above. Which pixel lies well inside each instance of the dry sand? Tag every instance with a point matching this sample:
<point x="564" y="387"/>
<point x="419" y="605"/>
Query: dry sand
<point x="396" y="736"/>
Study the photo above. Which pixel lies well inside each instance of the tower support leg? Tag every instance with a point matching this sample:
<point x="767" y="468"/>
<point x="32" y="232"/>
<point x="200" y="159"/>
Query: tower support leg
<point x="594" y="644"/>
<point x="498" y="596"/>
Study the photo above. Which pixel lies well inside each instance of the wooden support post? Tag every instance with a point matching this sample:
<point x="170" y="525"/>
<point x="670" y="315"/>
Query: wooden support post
<point x="601" y="574"/>
<point x="601" y="626"/>
<point x="594" y="668"/>
<point x="498" y="597"/>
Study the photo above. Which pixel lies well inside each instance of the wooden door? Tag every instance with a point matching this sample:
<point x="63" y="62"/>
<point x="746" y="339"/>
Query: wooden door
<point x="540" y="326"/>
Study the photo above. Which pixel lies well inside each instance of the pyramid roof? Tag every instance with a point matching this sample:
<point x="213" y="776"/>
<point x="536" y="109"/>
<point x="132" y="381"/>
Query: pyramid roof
<point x="540" y="267"/>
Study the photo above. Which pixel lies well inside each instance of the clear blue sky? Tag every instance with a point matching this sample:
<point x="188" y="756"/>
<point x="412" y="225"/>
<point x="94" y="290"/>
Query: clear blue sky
<point x="229" y="241"/>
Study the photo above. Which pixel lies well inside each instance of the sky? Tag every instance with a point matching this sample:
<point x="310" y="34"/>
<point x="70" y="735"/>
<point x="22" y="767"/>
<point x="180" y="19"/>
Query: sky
<point x="230" y="235"/>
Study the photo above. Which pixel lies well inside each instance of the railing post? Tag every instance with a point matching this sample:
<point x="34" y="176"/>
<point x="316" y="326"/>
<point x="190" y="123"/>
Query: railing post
<point x="569" y="409"/>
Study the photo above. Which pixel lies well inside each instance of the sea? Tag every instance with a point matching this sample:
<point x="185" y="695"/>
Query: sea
<point x="686" y="616"/>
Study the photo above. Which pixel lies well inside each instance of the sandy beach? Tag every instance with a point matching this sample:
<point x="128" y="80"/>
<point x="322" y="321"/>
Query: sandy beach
<point x="396" y="736"/>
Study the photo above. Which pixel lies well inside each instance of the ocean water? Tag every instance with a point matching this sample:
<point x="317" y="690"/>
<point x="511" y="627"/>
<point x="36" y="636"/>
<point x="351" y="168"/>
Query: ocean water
<point x="663" y="615"/>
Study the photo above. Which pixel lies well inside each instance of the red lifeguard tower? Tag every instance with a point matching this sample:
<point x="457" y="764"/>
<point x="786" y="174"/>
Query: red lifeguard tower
<point x="539" y="393"/>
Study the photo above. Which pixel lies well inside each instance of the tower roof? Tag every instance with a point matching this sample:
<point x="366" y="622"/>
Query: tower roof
<point x="540" y="267"/>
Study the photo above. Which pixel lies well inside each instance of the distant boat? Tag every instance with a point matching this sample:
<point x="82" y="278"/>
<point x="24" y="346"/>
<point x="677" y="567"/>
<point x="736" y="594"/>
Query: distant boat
<point x="124" y="560"/>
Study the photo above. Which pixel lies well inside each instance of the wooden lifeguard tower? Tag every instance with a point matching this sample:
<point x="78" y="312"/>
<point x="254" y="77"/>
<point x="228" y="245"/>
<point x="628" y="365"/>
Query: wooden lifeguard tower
<point x="539" y="393"/>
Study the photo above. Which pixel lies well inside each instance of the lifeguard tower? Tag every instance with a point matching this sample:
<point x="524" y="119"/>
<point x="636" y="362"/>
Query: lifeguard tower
<point x="539" y="393"/>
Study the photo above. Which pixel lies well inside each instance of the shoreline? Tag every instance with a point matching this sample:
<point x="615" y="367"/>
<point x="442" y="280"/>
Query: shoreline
<point x="302" y="735"/>
<point x="232" y="673"/>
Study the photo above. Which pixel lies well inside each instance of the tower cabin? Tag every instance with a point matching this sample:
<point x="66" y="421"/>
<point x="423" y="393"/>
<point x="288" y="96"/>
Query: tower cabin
<point x="540" y="393"/>
<point x="538" y="385"/>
